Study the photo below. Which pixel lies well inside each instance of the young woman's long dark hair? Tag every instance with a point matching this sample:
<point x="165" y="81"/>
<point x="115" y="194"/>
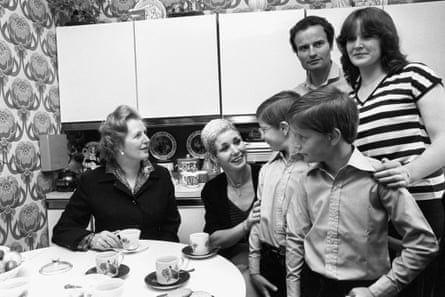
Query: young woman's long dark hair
<point x="372" y="22"/>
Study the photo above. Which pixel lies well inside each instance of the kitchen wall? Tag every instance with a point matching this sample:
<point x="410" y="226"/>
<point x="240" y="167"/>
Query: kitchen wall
<point x="29" y="106"/>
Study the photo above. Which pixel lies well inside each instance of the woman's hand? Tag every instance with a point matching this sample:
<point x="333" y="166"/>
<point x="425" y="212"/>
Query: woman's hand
<point x="393" y="174"/>
<point x="105" y="240"/>
<point x="254" y="215"/>
<point x="262" y="284"/>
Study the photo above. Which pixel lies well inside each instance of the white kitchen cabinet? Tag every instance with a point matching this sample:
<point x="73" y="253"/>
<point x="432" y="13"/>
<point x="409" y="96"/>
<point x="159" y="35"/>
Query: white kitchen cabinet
<point x="96" y="65"/>
<point x="177" y="67"/>
<point x="257" y="60"/>
<point x="421" y="37"/>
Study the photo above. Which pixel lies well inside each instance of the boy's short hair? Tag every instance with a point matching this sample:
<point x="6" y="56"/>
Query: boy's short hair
<point x="274" y="110"/>
<point x="325" y="109"/>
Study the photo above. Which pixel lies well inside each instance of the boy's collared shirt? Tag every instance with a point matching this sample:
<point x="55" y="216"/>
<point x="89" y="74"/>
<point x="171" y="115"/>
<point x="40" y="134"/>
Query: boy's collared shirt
<point x="338" y="225"/>
<point x="276" y="184"/>
<point x="335" y="78"/>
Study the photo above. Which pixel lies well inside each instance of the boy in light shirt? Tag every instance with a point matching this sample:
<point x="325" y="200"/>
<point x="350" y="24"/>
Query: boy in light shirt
<point x="337" y="221"/>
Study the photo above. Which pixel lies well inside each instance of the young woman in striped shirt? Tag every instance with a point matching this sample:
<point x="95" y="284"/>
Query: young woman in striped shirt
<point x="402" y="110"/>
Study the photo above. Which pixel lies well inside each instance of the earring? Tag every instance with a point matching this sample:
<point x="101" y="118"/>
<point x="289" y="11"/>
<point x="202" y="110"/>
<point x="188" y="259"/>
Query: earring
<point x="122" y="153"/>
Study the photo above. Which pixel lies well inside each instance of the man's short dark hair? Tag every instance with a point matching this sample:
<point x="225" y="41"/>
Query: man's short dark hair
<point x="310" y="21"/>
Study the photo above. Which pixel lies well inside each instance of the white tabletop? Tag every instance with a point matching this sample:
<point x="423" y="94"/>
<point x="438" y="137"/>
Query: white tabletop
<point x="215" y="275"/>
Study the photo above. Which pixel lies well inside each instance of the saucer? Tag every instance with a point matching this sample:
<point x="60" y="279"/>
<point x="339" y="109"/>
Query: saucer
<point x="151" y="280"/>
<point x="188" y="252"/>
<point x="143" y="245"/>
<point x="123" y="271"/>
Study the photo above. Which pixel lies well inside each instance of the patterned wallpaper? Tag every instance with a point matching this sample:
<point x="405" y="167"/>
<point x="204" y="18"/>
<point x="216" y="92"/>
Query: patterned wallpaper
<point x="71" y="12"/>
<point x="29" y="106"/>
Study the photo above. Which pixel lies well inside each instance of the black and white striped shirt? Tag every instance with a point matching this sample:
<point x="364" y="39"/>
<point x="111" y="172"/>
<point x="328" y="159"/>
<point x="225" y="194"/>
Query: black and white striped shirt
<point x="391" y="125"/>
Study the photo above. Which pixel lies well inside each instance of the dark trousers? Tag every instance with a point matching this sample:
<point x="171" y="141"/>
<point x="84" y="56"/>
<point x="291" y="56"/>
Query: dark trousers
<point x="427" y="283"/>
<point x="273" y="268"/>
<point x="336" y="288"/>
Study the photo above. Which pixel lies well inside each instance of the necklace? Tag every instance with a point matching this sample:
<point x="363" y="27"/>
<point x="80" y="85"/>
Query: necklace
<point x="243" y="178"/>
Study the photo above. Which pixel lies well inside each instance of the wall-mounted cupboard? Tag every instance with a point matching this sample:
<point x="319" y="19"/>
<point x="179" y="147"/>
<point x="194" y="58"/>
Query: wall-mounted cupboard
<point x="224" y="64"/>
<point x="96" y="70"/>
<point x="177" y="67"/>
<point x="256" y="58"/>
<point x="422" y="37"/>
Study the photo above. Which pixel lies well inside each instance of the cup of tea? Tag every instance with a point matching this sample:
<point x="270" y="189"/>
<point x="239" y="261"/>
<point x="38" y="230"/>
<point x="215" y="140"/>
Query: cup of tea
<point x="130" y="238"/>
<point x="199" y="242"/>
<point x="108" y="263"/>
<point x="168" y="269"/>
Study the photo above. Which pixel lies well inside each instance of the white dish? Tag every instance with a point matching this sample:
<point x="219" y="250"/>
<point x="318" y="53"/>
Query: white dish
<point x="142" y="247"/>
<point x="11" y="273"/>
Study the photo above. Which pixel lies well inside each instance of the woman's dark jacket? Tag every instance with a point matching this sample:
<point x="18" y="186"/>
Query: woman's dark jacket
<point x="152" y="209"/>
<point x="216" y="202"/>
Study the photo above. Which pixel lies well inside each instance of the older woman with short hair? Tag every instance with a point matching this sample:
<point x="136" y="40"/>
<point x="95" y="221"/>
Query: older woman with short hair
<point x="127" y="192"/>
<point x="230" y="198"/>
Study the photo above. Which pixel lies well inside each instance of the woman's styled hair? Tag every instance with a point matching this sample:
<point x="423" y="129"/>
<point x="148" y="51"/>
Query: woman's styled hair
<point x="212" y="130"/>
<point x="114" y="130"/>
<point x="274" y="109"/>
<point x="323" y="110"/>
<point x="372" y="22"/>
<point x="307" y="22"/>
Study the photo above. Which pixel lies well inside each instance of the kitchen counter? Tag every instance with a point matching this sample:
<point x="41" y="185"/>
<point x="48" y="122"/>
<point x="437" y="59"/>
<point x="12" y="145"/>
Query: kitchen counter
<point x="181" y="192"/>
<point x="185" y="196"/>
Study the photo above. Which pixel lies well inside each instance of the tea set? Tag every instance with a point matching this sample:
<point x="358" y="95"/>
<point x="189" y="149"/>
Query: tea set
<point x="107" y="277"/>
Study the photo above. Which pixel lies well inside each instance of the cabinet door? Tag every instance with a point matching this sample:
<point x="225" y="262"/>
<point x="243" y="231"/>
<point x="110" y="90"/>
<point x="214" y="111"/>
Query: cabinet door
<point x="421" y="38"/>
<point x="257" y="60"/>
<point x="177" y="67"/>
<point x="96" y="70"/>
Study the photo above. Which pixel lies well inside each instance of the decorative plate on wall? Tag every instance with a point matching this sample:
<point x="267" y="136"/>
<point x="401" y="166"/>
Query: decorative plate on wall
<point x="162" y="145"/>
<point x="194" y="145"/>
<point x="154" y="9"/>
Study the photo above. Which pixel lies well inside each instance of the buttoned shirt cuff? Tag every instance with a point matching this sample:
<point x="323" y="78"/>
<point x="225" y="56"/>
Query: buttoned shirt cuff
<point x="293" y="288"/>
<point x="384" y="287"/>
<point x="254" y="265"/>
<point x="85" y="243"/>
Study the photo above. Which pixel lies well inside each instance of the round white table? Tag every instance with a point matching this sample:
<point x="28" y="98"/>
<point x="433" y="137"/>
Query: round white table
<point x="215" y="275"/>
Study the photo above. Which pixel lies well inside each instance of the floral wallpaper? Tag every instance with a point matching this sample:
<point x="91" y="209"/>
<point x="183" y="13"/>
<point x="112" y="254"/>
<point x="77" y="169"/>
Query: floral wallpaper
<point x="29" y="106"/>
<point x="75" y="12"/>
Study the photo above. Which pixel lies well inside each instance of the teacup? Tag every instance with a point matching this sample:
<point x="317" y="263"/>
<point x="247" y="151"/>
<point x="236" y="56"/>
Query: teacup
<point x="199" y="242"/>
<point x="168" y="269"/>
<point x="130" y="238"/>
<point x="108" y="263"/>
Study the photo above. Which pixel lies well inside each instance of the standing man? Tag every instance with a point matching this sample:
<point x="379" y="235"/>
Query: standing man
<point x="312" y="39"/>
